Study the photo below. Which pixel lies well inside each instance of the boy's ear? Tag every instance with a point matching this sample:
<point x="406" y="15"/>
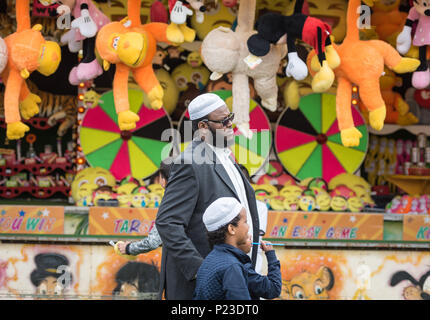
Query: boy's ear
<point x="231" y="229"/>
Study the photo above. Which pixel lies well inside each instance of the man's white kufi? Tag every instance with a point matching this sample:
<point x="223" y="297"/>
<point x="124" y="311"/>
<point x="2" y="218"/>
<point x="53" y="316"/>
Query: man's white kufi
<point x="204" y="104"/>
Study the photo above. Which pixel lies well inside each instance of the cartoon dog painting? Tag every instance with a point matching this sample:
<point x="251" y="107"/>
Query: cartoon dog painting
<point x="418" y="290"/>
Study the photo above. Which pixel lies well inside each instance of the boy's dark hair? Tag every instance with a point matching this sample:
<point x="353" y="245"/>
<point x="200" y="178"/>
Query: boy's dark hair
<point x="218" y="236"/>
<point x="165" y="167"/>
<point x="164" y="170"/>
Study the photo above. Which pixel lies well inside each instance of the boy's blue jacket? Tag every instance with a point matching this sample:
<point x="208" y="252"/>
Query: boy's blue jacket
<point x="226" y="274"/>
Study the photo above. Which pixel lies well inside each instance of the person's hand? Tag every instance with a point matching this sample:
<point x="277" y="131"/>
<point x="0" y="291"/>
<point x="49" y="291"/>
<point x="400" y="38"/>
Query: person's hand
<point x="122" y="245"/>
<point x="265" y="246"/>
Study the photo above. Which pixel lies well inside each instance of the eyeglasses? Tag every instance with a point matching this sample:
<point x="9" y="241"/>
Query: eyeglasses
<point x="224" y="122"/>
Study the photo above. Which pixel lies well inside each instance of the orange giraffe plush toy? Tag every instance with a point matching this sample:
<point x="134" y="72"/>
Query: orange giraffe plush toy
<point x="362" y="64"/>
<point x="28" y="51"/>
<point x="131" y="46"/>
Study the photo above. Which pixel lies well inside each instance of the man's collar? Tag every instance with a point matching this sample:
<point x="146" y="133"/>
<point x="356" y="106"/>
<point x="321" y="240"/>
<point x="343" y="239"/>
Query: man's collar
<point x="220" y="151"/>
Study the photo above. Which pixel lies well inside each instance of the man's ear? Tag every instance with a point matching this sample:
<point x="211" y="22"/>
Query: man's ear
<point x="203" y="125"/>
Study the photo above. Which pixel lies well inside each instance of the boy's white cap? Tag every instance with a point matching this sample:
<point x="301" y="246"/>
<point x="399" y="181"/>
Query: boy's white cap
<point x="204" y="104"/>
<point x="220" y="212"/>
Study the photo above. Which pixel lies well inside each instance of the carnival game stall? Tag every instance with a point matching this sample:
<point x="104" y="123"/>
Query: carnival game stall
<point x="336" y="145"/>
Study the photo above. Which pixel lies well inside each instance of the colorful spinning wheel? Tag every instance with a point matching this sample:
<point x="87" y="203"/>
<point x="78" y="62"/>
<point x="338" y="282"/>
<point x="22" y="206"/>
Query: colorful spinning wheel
<point x="308" y="143"/>
<point x="250" y="153"/>
<point x="137" y="152"/>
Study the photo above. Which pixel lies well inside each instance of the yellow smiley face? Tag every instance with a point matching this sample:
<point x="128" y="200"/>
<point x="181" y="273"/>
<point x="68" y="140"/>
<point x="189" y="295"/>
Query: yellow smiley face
<point x="332" y="12"/>
<point x="216" y="15"/>
<point x="338" y="204"/>
<point x="355" y="204"/>
<point x="185" y="73"/>
<point x="291" y="203"/>
<point x="139" y="200"/>
<point x="171" y="92"/>
<point x="277" y="203"/>
<point x="91" y="99"/>
<point x="323" y="201"/>
<point x="292" y="190"/>
<point x="89" y="179"/>
<point x="307" y="203"/>
<point x="124" y="200"/>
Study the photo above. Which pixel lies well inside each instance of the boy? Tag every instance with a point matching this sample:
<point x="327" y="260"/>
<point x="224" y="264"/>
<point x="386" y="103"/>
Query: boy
<point x="226" y="273"/>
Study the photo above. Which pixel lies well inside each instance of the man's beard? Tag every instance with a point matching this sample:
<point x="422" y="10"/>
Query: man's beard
<point x="219" y="140"/>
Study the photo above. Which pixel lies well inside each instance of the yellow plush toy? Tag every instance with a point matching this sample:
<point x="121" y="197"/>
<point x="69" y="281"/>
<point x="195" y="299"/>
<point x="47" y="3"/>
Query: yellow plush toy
<point x="291" y="190"/>
<point x="154" y="199"/>
<point x="124" y="200"/>
<point x="307" y="201"/>
<point x="192" y="71"/>
<point x="359" y="185"/>
<point x="171" y="92"/>
<point x="332" y="12"/>
<point x="139" y="200"/>
<point x="277" y="203"/>
<point x="265" y="192"/>
<point x="88" y="180"/>
<point x="27" y="51"/>
<point x="127" y="185"/>
<point x="355" y="204"/>
<point x="216" y="15"/>
<point x="323" y="201"/>
<point x="178" y="17"/>
<point x="339" y="204"/>
<point x="291" y="203"/>
<point x="103" y="194"/>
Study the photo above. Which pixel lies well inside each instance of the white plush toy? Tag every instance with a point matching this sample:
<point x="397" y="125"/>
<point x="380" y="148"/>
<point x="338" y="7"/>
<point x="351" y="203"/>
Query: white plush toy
<point x="3" y="55"/>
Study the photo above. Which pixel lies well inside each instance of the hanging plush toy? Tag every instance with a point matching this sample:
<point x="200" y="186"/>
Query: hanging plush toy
<point x="362" y="63"/>
<point x="131" y="46"/>
<point x="27" y="51"/>
<point x="178" y="18"/>
<point x="274" y="28"/>
<point x="397" y="108"/>
<point x="88" y="21"/>
<point x="224" y="50"/>
<point x="420" y="12"/>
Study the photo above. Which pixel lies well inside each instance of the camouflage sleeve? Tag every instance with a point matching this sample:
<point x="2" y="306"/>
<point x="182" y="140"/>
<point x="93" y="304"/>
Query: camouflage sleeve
<point x="151" y="242"/>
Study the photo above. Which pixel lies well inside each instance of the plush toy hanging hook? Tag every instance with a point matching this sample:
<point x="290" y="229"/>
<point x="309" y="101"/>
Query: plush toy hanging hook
<point x="131" y="46"/>
<point x="28" y="51"/>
